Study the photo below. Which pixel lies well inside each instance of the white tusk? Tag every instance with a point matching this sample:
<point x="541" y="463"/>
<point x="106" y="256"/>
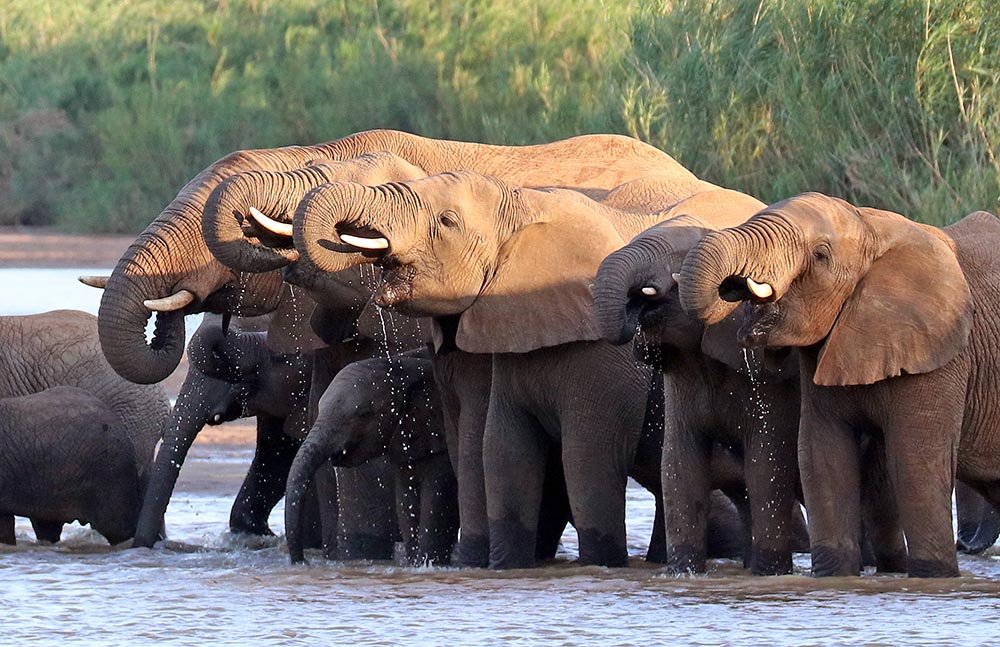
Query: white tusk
<point x="217" y="418"/>
<point x="760" y="290"/>
<point x="270" y="224"/>
<point x="649" y="291"/>
<point x="99" y="282"/>
<point x="365" y="243"/>
<point x="676" y="276"/>
<point x="171" y="303"/>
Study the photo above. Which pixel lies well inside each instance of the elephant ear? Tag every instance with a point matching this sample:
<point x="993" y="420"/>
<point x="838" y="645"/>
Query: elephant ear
<point x="541" y="293"/>
<point x="290" y="330"/>
<point x="910" y="313"/>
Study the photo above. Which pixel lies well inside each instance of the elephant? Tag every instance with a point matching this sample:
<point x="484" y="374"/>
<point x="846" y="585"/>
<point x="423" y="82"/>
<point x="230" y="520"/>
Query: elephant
<point x="385" y="407"/>
<point x="717" y="396"/>
<point x="891" y="322"/>
<point x="61" y="348"/>
<point x="233" y="375"/>
<point x="245" y="238"/>
<point x="505" y="271"/>
<point x="67" y="457"/>
<point x="978" y="521"/>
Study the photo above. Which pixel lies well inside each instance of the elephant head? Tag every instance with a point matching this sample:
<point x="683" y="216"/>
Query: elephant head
<point x="636" y="286"/>
<point x="819" y="272"/>
<point x="512" y="266"/>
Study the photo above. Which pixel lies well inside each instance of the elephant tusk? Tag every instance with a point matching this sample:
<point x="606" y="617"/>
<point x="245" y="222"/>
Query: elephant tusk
<point x="649" y="291"/>
<point x="270" y="224"/>
<point x="365" y="243"/>
<point x="759" y="290"/>
<point x="99" y="282"/>
<point x="169" y="304"/>
<point x="676" y="276"/>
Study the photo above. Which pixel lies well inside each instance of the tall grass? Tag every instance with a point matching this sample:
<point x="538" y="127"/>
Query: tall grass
<point x="107" y="108"/>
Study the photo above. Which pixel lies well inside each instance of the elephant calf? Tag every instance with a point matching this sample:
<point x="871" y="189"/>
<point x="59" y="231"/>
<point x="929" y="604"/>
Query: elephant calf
<point x="379" y="407"/>
<point x="66" y="456"/>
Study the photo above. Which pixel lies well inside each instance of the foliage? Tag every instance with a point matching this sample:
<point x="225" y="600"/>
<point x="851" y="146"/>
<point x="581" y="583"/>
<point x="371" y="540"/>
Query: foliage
<point x="107" y="107"/>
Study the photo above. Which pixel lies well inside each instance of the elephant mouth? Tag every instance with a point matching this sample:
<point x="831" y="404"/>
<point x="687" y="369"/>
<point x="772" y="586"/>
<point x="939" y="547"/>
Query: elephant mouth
<point x="758" y="323"/>
<point x="396" y="285"/>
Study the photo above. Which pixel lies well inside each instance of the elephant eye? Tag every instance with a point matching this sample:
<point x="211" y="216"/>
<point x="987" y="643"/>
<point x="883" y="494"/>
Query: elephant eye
<point x="448" y="218"/>
<point x="821" y="253"/>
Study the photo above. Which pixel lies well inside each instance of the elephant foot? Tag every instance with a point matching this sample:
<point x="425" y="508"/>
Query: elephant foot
<point x="770" y="561"/>
<point x="933" y="568"/>
<point x="7" y="530"/>
<point x="512" y="545"/>
<point x="48" y="531"/>
<point x="472" y="551"/>
<point x="684" y="560"/>
<point x="828" y="561"/>
<point x="365" y="546"/>
<point x="891" y="563"/>
<point x="249" y="524"/>
<point x="602" y="549"/>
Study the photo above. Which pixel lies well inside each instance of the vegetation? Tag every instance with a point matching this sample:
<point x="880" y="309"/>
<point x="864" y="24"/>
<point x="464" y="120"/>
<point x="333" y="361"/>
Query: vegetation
<point x="108" y="107"/>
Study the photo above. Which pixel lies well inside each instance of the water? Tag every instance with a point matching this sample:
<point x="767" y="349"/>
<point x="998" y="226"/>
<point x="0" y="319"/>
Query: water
<point x="207" y="587"/>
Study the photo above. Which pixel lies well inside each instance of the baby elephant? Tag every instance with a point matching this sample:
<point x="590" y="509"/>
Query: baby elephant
<point x="379" y="407"/>
<point x="65" y="456"/>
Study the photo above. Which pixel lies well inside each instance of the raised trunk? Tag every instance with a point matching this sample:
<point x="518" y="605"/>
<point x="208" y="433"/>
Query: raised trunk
<point x="624" y="282"/>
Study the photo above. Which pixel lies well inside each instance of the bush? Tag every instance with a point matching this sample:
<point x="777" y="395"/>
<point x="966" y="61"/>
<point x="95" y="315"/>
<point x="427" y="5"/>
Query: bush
<point x="107" y="108"/>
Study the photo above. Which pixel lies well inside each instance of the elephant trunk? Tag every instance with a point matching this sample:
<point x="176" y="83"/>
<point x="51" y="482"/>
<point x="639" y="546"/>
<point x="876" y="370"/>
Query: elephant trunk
<point x="247" y="221"/>
<point x="341" y="225"/>
<point x="311" y="455"/>
<point x="187" y="419"/>
<point x="634" y="277"/>
<point x="752" y="262"/>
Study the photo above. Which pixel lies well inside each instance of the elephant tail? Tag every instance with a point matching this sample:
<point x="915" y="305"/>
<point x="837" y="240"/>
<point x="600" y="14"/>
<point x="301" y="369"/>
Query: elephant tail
<point x="307" y="461"/>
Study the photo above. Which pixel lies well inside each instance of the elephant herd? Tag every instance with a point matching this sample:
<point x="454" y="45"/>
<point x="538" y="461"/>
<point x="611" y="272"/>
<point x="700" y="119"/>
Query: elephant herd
<point x="466" y="347"/>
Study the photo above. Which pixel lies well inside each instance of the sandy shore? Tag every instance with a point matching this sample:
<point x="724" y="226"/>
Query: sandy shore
<point x="36" y="247"/>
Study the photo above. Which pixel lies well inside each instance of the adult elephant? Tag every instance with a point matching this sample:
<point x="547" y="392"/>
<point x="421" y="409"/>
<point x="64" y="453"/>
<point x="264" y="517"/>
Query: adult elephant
<point x="505" y="271"/>
<point x="247" y="225"/>
<point x="170" y="272"/>
<point x="893" y="326"/>
<point x="716" y="395"/>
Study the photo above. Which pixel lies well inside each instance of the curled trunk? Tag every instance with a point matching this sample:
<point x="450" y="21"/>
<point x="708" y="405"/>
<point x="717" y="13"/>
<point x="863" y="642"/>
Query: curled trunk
<point x="307" y="461"/>
<point x="625" y="281"/>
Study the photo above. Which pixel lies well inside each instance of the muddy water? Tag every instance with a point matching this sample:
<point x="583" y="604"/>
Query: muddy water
<point x="206" y="587"/>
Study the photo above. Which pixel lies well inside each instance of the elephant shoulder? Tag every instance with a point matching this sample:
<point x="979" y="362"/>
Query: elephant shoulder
<point x="977" y="237"/>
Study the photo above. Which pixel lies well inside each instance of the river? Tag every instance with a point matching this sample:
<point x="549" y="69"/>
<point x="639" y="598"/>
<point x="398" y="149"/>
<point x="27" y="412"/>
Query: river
<point x="204" y="586"/>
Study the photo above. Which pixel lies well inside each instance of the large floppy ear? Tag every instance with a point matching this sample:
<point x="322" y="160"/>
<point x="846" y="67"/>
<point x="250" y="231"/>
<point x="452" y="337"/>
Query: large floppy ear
<point x="540" y="294"/>
<point x="290" y="330"/>
<point x="910" y="313"/>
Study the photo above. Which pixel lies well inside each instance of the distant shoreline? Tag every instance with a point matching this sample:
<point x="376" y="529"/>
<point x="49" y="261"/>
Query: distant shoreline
<point x="42" y="247"/>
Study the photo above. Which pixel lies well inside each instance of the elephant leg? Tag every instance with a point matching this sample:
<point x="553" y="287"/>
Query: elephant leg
<point x="264" y="484"/>
<point x="464" y="383"/>
<point x="922" y="470"/>
<point x="50" y="531"/>
<point x="831" y="483"/>
<point x="515" y="449"/>
<point x="7" y="530"/>
<point x="728" y="523"/>
<point x="555" y="510"/>
<point x="770" y="470"/>
<point x="321" y="527"/>
<point x="367" y="508"/>
<point x="978" y="520"/>
<point x="408" y="510"/>
<point x="596" y="485"/>
<point x="883" y="532"/>
<point x="800" y="530"/>
<point x="438" y="513"/>
<point x="686" y="469"/>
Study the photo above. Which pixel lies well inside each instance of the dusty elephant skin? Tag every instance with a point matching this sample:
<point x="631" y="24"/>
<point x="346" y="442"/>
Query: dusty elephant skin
<point x="67" y="457"/>
<point x="385" y="407"/>
<point x="718" y="398"/>
<point x="506" y="271"/>
<point x="893" y="325"/>
<point x="246" y="225"/>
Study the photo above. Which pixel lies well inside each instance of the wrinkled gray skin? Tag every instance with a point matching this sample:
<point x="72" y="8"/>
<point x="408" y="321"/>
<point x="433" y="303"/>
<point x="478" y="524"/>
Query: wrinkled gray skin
<point x="713" y="402"/>
<point x="233" y="375"/>
<point x="60" y="348"/>
<point x="65" y="456"/>
<point x="838" y="277"/>
<point x="384" y="407"/>
<point x="978" y="520"/>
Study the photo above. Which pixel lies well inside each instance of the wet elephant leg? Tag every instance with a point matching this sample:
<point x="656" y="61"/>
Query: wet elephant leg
<point x="770" y="471"/>
<point x="7" y="530"/>
<point x="50" y="531"/>
<point x="978" y="520"/>
<point x="515" y="452"/>
<point x="408" y="510"/>
<point x="324" y="529"/>
<point x="367" y="510"/>
<point x="686" y="487"/>
<point x="883" y="532"/>
<point x="264" y="484"/>
<point x="438" y="512"/>
<point x="555" y="511"/>
<point x="831" y="482"/>
<point x="596" y="485"/>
